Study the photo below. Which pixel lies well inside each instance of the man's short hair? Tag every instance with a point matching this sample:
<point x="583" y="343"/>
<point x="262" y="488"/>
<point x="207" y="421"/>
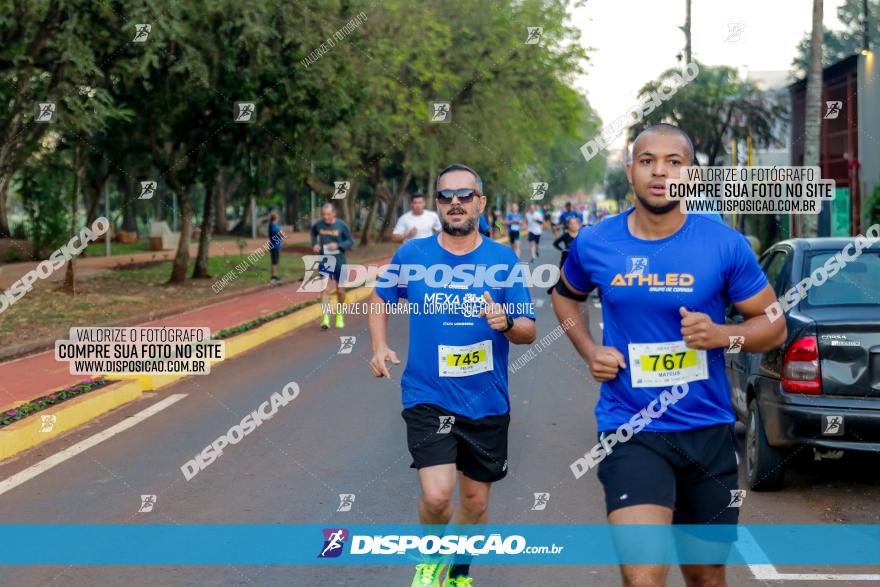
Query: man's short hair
<point x="415" y="195"/>
<point x="328" y="206"/>
<point x="460" y="167"/>
<point x="273" y="217"/>
<point x="665" y="128"/>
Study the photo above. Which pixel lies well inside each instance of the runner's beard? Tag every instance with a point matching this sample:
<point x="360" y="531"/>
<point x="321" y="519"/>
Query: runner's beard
<point x="654" y="209"/>
<point x="463" y="230"/>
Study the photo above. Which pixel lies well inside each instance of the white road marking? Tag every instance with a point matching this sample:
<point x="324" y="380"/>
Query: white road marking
<point x="765" y="571"/>
<point x="84" y="445"/>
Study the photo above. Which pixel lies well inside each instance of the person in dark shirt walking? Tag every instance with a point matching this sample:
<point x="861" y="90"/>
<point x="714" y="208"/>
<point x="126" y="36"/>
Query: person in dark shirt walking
<point x="564" y="240"/>
<point x="275" y="238"/>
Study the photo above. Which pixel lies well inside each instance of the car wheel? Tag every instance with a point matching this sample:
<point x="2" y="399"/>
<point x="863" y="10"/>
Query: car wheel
<point x="764" y="464"/>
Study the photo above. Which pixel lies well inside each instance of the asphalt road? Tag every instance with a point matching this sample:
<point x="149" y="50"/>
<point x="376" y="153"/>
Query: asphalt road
<point x="344" y="434"/>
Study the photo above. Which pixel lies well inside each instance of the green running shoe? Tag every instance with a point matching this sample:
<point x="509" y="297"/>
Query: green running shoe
<point x="457" y="581"/>
<point x="325" y="322"/>
<point x="340" y="321"/>
<point x="427" y="575"/>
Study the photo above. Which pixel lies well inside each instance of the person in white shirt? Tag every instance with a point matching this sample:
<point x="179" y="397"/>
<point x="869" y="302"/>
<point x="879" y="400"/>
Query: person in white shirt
<point x="535" y="222"/>
<point x="417" y="223"/>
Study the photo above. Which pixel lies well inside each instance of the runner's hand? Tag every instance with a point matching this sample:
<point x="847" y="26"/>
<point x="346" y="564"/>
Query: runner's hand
<point x="332" y="246"/>
<point x="380" y="357"/>
<point x="494" y="313"/>
<point x="316" y="249"/>
<point x="605" y="362"/>
<point x="698" y="331"/>
<point x="412" y="232"/>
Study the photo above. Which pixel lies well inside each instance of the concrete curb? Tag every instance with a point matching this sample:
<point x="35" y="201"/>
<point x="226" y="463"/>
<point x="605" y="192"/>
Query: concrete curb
<point x="26" y="434"/>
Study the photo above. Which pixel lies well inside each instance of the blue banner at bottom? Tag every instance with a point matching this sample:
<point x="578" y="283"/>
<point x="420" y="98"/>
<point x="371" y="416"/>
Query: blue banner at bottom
<point x="530" y="544"/>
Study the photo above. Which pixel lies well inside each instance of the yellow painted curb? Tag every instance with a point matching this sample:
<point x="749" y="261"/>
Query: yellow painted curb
<point x="26" y="434"/>
<point x="242" y="343"/>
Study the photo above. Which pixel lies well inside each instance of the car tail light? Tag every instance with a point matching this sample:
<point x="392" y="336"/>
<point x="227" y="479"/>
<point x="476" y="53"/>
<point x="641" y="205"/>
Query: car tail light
<point x="800" y="367"/>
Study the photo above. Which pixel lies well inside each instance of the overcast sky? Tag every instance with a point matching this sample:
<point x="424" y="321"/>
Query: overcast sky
<point x="636" y="40"/>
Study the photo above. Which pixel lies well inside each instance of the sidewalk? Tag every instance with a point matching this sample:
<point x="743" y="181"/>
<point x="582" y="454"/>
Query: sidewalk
<point x="85" y="266"/>
<point x="30" y="377"/>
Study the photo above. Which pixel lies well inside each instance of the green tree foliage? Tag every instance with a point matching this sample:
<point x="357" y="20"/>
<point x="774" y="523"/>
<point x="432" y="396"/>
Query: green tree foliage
<point x="616" y="184"/>
<point x="715" y="107"/>
<point x="839" y="44"/>
<point x="342" y="89"/>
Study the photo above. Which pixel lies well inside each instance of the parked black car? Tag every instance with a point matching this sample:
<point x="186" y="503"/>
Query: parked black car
<point x="822" y="388"/>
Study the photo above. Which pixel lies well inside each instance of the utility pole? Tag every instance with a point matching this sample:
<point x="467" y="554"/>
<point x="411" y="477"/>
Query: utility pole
<point x="687" y="33"/>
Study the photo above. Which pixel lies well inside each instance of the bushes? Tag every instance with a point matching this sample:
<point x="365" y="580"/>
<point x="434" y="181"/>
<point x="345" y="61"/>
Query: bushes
<point x="873" y="207"/>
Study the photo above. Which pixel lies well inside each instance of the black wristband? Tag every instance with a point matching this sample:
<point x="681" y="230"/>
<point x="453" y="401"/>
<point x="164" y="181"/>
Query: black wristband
<point x="509" y="324"/>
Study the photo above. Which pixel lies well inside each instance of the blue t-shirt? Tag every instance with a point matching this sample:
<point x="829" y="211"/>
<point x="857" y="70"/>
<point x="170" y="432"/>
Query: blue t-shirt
<point x="275" y="236"/>
<point x="515" y="219"/>
<point x="447" y="313"/>
<point x="710" y="266"/>
<point x="485" y="230"/>
<point x="563" y="218"/>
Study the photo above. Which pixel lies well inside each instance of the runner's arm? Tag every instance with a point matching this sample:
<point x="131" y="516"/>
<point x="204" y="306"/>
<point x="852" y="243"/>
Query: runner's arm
<point x="346" y="241"/>
<point x="568" y="311"/>
<point x="558" y="240"/>
<point x="760" y="334"/>
<point x="399" y="233"/>
<point x="523" y="331"/>
<point x="604" y="362"/>
<point x="378" y="324"/>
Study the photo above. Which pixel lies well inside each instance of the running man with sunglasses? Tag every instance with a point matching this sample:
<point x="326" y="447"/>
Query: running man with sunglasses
<point x="454" y="387"/>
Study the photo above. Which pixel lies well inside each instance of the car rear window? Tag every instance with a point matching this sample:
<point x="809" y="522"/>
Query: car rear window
<point x="855" y="283"/>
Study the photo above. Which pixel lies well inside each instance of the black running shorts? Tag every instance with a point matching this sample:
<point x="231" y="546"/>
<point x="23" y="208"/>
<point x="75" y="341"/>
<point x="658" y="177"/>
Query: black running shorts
<point x="478" y="448"/>
<point x="694" y="473"/>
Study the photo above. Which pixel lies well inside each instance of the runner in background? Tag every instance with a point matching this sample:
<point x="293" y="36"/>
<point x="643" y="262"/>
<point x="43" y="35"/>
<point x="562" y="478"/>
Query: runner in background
<point x="331" y="237"/>
<point x="535" y="225"/>
<point x="276" y="236"/>
<point x="564" y="241"/>
<point x="555" y="222"/>
<point x="513" y="223"/>
<point x="495" y="221"/>
<point x="417" y="223"/>
<point x="569" y="213"/>
<point x="484" y="227"/>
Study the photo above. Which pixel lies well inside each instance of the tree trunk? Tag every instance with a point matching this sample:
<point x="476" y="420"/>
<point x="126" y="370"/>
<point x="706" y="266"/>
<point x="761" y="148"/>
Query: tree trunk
<point x="201" y="268"/>
<point x="368" y="223"/>
<point x="393" y="209"/>
<point x="181" y="260"/>
<point x="291" y="216"/>
<point x="78" y="172"/>
<point x="813" y="121"/>
<point x="129" y="204"/>
<point x="243" y="226"/>
<point x="220" y="219"/>
<point x="4" y="220"/>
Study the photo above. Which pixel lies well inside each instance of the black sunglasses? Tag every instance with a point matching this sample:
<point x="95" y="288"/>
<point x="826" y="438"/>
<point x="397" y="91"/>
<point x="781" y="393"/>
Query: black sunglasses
<point x="465" y="195"/>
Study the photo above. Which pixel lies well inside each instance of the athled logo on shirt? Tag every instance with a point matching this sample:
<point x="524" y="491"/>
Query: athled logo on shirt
<point x="637" y="274"/>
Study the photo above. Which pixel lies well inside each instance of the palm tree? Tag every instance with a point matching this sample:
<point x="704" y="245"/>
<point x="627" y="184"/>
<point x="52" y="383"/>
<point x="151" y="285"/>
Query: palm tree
<point x="813" y="121"/>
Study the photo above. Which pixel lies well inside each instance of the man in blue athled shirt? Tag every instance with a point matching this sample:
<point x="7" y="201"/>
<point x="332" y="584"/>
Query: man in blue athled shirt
<point x="470" y="302"/>
<point x="668" y="453"/>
